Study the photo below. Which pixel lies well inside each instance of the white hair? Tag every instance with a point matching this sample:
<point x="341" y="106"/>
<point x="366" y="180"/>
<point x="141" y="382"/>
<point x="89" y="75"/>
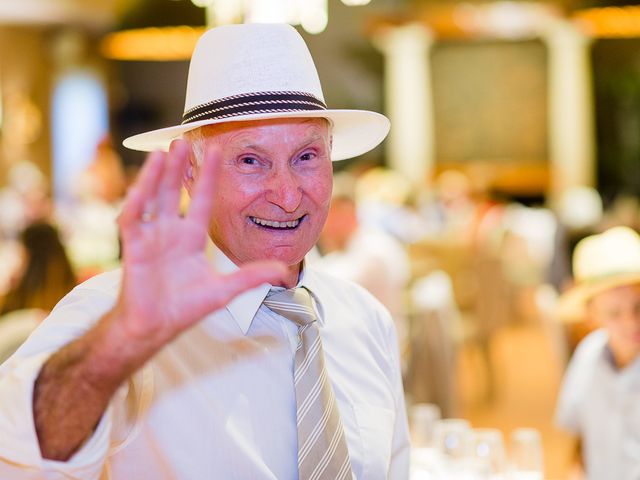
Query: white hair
<point x="196" y="138"/>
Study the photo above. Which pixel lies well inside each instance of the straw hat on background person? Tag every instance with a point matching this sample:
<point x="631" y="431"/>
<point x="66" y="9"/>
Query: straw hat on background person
<point x="600" y="263"/>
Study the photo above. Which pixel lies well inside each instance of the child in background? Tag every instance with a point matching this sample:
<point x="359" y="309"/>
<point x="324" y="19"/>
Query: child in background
<point x="599" y="400"/>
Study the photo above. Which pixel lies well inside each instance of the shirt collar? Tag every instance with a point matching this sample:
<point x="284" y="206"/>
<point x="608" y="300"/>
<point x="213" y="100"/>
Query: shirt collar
<point x="244" y="307"/>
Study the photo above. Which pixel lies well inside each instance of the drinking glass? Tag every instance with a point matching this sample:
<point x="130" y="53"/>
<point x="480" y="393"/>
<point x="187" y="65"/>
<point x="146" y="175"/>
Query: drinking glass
<point x="423" y="418"/>
<point x="450" y="436"/>
<point x="526" y="454"/>
<point x="486" y="446"/>
<point x="425" y="460"/>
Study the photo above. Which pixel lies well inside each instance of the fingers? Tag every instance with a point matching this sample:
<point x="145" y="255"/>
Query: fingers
<point x="202" y="200"/>
<point x="169" y="189"/>
<point x="143" y="192"/>
<point x="251" y="275"/>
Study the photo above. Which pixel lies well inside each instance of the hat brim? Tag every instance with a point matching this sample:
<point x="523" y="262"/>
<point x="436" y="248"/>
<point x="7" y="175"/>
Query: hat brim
<point x="572" y="303"/>
<point x="354" y="132"/>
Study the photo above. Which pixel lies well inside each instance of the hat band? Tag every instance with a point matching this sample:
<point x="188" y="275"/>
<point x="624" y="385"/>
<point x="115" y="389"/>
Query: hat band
<point x="253" y="103"/>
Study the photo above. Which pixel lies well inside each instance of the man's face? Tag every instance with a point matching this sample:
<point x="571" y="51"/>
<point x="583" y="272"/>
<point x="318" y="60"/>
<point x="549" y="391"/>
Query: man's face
<point x="272" y="187"/>
<point x="618" y="310"/>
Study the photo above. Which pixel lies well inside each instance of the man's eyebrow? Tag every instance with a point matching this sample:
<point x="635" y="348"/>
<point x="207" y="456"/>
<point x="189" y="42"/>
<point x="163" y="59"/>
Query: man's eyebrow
<point x="243" y="140"/>
<point x="314" y="137"/>
<point x="252" y="146"/>
<point x="304" y="142"/>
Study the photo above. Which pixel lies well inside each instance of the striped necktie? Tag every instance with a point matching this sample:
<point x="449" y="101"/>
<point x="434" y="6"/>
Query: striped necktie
<point x="322" y="448"/>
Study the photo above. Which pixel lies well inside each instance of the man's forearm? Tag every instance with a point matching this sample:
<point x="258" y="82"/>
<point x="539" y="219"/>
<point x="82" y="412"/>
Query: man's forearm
<point x="76" y="384"/>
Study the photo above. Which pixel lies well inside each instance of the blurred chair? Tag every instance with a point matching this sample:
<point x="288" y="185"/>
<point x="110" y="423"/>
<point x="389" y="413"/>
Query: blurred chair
<point x="430" y="376"/>
<point x="546" y="302"/>
<point x="481" y="291"/>
<point x="492" y="309"/>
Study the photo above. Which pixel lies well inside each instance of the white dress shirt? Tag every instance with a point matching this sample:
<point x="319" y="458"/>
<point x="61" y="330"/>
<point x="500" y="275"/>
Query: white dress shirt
<point x="601" y="404"/>
<point x="218" y="402"/>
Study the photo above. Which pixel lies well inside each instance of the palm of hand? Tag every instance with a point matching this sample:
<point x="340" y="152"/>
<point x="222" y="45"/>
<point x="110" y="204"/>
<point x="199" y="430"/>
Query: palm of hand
<point x="168" y="282"/>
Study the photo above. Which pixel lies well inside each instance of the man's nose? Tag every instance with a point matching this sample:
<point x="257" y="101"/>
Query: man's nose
<point x="284" y="189"/>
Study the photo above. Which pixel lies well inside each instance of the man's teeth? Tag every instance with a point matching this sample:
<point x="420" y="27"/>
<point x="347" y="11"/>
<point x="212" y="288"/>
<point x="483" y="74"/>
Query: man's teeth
<point x="274" y="224"/>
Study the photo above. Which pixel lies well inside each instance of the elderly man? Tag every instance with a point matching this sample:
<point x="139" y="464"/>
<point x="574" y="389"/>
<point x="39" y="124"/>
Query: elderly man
<point x="249" y="365"/>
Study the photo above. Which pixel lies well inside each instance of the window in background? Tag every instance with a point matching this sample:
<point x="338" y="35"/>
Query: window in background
<point x="79" y="119"/>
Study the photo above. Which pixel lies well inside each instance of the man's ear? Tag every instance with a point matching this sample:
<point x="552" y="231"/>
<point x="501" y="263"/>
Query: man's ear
<point x="189" y="173"/>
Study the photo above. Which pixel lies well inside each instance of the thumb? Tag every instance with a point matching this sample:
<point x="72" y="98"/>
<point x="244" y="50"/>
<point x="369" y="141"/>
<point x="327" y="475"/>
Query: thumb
<point x="250" y="276"/>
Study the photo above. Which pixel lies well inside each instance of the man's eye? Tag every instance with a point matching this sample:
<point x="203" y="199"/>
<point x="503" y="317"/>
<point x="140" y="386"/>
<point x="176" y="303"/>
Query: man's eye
<point x="249" y="161"/>
<point x="307" y="156"/>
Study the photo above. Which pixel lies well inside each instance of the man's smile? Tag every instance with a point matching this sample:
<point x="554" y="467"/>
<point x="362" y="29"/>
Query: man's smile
<point x="277" y="225"/>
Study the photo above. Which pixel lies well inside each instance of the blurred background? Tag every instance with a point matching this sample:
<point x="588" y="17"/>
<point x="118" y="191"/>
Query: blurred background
<point x="515" y="133"/>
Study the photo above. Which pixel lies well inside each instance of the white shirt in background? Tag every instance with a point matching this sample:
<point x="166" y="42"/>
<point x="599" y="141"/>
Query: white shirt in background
<point x="601" y="404"/>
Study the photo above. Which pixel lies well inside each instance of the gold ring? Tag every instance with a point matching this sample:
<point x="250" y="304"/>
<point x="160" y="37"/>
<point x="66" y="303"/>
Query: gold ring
<point x="147" y="217"/>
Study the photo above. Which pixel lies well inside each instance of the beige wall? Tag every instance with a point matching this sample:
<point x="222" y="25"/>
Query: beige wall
<point x="25" y="85"/>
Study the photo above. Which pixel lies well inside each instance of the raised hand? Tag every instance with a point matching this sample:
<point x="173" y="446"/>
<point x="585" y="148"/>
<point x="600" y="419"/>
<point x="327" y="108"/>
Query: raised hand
<point x="168" y="285"/>
<point x="168" y="282"/>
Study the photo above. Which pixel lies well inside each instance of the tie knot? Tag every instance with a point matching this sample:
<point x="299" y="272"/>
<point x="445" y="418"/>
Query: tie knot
<point x="294" y="304"/>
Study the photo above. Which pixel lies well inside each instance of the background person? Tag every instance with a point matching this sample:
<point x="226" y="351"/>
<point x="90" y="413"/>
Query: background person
<point x="600" y="393"/>
<point x="47" y="274"/>
<point x="45" y="277"/>
<point x="365" y="255"/>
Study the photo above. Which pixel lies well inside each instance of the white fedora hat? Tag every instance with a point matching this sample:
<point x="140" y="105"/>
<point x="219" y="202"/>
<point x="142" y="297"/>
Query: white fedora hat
<point x="601" y="262"/>
<point x="261" y="71"/>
